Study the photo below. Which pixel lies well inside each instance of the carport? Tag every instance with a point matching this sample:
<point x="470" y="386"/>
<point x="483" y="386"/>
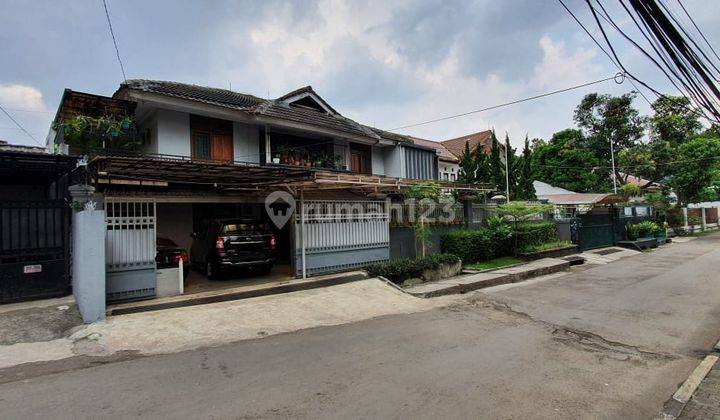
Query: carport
<point x="169" y="198"/>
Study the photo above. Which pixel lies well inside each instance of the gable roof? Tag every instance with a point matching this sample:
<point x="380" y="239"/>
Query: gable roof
<point x="456" y="146"/>
<point x="443" y="153"/>
<point x="305" y="92"/>
<point x="275" y="108"/>
<point x="543" y="189"/>
<point x="640" y="182"/>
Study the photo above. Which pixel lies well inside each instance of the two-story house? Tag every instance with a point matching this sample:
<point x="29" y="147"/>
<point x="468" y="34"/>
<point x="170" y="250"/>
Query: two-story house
<point x="207" y="153"/>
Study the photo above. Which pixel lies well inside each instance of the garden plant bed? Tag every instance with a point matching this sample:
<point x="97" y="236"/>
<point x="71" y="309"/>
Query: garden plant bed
<point x="493" y="264"/>
<point x="639" y="244"/>
<point x="550" y="253"/>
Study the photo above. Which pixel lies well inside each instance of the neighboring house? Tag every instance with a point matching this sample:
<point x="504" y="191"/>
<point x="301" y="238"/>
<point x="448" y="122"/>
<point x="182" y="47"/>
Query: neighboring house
<point x="647" y="185"/>
<point x="448" y="163"/>
<point x="482" y="139"/>
<point x="210" y="153"/>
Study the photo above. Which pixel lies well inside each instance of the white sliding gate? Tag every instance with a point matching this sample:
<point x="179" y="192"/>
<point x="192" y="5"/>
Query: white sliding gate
<point x="130" y="248"/>
<point x="337" y="235"/>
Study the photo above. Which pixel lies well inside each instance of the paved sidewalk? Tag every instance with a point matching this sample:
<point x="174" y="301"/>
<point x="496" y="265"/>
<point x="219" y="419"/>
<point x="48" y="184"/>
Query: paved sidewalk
<point x="466" y="283"/>
<point x="705" y="403"/>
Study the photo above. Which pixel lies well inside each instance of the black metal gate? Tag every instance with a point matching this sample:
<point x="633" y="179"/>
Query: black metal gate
<point x="34" y="250"/>
<point x="596" y="231"/>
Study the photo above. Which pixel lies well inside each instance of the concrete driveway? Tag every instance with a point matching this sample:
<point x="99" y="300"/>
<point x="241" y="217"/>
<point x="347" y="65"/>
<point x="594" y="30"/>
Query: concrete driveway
<point x="606" y="342"/>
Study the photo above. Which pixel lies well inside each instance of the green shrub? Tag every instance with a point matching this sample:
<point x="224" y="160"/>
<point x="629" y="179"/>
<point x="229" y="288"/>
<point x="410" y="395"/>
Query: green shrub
<point x="530" y="235"/>
<point x="404" y="268"/>
<point x="477" y="245"/>
<point x="643" y="229"/>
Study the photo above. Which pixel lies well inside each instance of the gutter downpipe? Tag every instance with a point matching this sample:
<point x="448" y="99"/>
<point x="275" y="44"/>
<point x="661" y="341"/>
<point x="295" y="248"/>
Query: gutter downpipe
<point x="302" y="233"/>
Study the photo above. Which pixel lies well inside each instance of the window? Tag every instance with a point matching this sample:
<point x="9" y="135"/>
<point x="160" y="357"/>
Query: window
<point x="201" y="146"/>
<point x="446" y="176"/>
<point x="452" y="177"/>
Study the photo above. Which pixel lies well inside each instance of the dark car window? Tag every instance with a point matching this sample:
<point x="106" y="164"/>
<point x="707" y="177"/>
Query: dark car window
<point x="244" y="227"/>
<point x="160" y="241"/>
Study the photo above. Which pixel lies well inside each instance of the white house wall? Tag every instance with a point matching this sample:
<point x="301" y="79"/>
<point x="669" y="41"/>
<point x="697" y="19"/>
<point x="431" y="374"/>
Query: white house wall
<point x="378" y="161"/>
<point x="246" y="142"/>
<point x="173" y="131"/>
<point x="394" y="162"/>
<point x="170" y="135"/>
<point x="450" y="169"/>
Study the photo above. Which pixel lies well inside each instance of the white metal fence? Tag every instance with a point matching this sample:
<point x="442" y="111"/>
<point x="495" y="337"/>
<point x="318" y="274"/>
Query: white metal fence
<point x="334" y="235"/>
<point x="130" y="240"/>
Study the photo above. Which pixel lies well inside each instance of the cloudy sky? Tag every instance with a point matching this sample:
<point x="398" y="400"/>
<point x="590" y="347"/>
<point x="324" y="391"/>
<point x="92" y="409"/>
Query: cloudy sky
<point x="383" y="63"/>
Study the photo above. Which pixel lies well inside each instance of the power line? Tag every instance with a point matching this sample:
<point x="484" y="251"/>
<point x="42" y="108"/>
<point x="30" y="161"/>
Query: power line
<point x="619" y="78"/>
<point x="604" y="51"/>
<point x="20" y="126"/>
<point x="698" y="29"/>
<point x="28" y="110"/>
<point x="112" y="34"/>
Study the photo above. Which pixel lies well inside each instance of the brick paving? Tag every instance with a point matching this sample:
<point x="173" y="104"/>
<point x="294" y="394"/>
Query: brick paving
<point x="705" y="403"/>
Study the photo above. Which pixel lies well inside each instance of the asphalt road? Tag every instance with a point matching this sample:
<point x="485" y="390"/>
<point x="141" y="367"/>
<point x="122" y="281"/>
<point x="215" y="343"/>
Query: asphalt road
<point x="611" y="341"/>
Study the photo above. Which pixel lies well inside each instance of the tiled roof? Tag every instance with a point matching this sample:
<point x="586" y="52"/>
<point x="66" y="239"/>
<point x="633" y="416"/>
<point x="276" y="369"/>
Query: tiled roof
<point x="443" y="152"/>
<point x="214" y="96"/>
<point x="279" y="109"/>
<point x="457" y="145"/>
<point x="275" y="108"/>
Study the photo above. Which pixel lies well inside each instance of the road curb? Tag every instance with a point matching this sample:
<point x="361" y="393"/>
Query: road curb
<point x="674" y="407"/>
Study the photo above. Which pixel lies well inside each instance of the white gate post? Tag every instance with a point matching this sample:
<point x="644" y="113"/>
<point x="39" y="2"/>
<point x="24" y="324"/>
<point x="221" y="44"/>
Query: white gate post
<point x="704" y="222"/>
<point x="88" y="255"/>
<point x="685" y="217"/>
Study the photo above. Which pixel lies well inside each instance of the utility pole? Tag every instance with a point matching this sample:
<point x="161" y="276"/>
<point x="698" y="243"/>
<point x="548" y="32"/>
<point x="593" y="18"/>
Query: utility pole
<point x="507" y="173"/>
<point x="612" y="159"/>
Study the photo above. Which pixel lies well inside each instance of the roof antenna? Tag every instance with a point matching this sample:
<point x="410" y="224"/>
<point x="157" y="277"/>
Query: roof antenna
<point x="230" y="85"/>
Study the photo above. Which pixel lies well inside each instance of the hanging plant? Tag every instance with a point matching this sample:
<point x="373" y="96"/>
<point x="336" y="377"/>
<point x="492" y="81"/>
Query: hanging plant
<point x="87" y="134"/>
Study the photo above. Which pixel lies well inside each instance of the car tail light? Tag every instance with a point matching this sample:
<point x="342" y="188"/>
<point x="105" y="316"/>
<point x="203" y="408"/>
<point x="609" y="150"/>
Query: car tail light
<point x="183" y="256"/>
<point x="219" y="245"/>
<point x="273" y="242"/>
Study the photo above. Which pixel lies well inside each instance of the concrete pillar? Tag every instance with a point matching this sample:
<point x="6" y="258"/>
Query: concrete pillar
<point x="685" y="218"/>
<point x="88" y="269"/>
<point x="702" y="218"/>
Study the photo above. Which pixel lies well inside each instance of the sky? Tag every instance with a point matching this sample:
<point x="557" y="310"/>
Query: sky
<point x="381" y="63"/>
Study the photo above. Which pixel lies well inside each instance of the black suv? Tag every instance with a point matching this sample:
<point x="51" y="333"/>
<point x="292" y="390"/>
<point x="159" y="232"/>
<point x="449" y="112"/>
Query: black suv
<point x="224" y="244"/>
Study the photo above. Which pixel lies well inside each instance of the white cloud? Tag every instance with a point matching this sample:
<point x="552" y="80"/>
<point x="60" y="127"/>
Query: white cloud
<point x="21" y="96"/>
<point x="26" y="105"/>
<point x="344" y="42"/>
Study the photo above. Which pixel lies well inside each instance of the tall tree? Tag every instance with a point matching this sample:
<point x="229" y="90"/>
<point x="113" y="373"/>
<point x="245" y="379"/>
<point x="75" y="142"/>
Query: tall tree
<point x="697" y="169"/>
<point x="525" y="190"/>
<point x="607" y="120"/>
<point x="674" y="123"/>
<point x="564" y="162"/>
<point x="483" y="171"/>
<point x="468" y="167"/>
<point x="496" y="165"/>
<point x="511" y="167"/>
<point x="674" y="120"/>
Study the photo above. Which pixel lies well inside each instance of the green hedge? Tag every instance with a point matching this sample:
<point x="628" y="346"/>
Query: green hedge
<point x="477" y="245"/>
<point x="530" y="235"/>
<point x="404" y="268"/>
<point x="487" y="243"/>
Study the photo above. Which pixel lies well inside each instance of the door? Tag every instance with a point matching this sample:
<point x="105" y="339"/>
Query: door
<point x="222" y="148"/>
<point x="360" y="159"/>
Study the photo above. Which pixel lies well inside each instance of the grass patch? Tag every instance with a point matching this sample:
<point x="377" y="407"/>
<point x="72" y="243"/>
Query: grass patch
<point x="547" y="246"/>
<point x="494" y="263"/>
<point x="705" y="232"/>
